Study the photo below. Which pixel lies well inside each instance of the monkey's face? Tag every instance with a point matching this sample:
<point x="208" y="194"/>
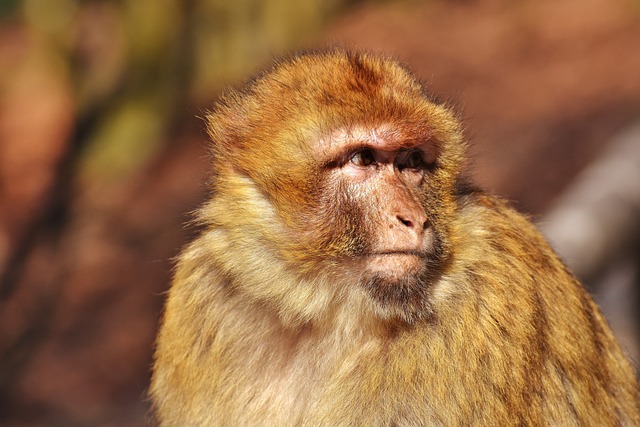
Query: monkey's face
<point x="352" y="169"/>
<point x="379" y="215"/>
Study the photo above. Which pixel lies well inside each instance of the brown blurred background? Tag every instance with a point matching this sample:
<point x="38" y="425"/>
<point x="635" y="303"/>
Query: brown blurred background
<point x="103" y="156"/>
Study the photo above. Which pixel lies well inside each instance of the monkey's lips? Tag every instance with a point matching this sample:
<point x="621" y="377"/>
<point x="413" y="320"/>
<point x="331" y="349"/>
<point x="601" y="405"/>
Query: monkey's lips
<point x="396" y="262"/>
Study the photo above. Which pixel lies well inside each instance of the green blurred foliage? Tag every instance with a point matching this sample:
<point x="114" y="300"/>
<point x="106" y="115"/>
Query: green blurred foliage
<point x="136" y="67"/>
<point x="231" y="38"/>
<point x="8" y="9"/>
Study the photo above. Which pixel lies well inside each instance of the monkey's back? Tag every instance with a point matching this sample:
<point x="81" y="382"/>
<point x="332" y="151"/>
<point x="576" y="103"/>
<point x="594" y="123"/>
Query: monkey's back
<point x="569" y="367"/>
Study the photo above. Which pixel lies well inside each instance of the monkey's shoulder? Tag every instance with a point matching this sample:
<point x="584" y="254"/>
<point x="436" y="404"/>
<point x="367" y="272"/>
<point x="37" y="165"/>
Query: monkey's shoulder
<point x="487" y="220"/>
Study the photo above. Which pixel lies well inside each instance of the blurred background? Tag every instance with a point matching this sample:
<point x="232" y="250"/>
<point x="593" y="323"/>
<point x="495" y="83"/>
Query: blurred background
<point x="103" y="157"/>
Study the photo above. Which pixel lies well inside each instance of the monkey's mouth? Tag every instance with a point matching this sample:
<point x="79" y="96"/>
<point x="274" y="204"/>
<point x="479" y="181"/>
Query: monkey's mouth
<point x="399" y="252"/>
<point x="392" y="255"/>
<point x="396" y="263"/>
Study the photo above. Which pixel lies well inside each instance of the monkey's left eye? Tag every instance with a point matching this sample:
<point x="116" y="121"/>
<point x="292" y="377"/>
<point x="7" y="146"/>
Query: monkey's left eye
<point x="363" y="158"/>
<point x="413" y="160"/>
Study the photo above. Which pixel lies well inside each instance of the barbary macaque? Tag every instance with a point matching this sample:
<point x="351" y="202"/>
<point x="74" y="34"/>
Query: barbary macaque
<point x="347" y="275"/>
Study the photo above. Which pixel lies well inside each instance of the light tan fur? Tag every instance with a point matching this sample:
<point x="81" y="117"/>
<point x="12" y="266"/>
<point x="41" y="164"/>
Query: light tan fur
<point x="267" y="321"/>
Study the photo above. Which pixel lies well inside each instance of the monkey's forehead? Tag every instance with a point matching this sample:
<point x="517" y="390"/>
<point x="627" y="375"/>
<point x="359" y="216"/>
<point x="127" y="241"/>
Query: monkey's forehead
<point x="325" y="100"/>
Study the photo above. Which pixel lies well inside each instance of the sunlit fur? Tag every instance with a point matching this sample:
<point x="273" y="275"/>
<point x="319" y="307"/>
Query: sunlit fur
<point x="270" y="320"/>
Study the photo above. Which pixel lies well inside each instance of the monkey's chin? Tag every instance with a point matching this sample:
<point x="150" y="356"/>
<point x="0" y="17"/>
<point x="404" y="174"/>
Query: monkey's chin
<point x="399" y="285"/>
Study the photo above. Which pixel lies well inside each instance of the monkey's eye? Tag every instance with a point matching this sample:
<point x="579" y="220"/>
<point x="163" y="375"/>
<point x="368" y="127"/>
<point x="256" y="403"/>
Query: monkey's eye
<point x="363" y="158"/>
<point x="413" y="160"/>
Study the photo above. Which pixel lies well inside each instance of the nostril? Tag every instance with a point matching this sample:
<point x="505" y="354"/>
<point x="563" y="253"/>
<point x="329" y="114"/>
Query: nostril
<point x="406" y="222"/>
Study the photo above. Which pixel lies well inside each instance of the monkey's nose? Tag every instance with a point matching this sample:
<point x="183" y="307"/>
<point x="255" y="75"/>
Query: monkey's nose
<point x="418" y="224"/>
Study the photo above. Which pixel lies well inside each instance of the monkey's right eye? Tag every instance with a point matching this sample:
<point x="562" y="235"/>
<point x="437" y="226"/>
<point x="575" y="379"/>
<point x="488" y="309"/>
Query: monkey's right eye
<point x="363" y="158"/>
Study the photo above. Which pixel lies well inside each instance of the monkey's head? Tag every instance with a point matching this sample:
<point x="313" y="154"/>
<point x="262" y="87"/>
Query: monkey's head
<point x="336" y="165"/>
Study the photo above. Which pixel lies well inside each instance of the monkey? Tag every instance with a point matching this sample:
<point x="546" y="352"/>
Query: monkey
<point x="349" y="274"/>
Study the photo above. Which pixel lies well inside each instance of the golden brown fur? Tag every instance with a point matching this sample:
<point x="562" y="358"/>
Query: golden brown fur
<point x="268" y="321"/>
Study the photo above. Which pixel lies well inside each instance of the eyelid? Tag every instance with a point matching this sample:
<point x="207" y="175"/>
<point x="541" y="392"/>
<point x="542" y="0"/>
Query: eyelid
<point x="343" y="158"/>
